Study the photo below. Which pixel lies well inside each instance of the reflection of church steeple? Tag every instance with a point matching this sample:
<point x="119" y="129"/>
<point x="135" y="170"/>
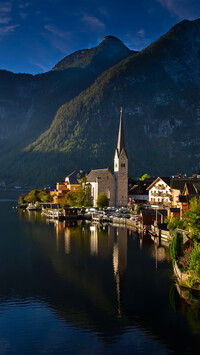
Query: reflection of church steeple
<point x="119" y="261"/>
<point x="67" y="241"/>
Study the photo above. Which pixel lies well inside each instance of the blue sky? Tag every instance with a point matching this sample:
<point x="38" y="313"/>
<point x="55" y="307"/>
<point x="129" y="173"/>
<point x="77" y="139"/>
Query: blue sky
<point x="36" y="34"/>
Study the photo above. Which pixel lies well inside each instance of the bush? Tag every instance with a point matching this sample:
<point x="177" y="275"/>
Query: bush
<point x="193" y="281"/>
<point x="139" y="208"/>
<point x="176" y="247"/>
<point x="194" y="261"/>
<point x="102" y="200"/>
<point x="173" y="223"/>
<point x="192" y="218"/>
<point x="184" y="260"/>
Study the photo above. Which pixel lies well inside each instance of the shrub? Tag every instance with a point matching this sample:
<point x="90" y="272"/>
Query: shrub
<point x="173" y="223"/>
<point x="176" y="247"/>
<point x="102" y="200"/>
<point x="139" y="208"/>
<point x="194" y="261"/>
<point x="184" y="260"/>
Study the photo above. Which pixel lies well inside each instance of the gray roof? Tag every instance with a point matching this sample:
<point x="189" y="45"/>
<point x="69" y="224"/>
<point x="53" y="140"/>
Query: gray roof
<point x="179" y="184"/>
<point x="75" y="177"/>
<point x="121" y="139"/>
<point x="165" y="179"/>
<point x="98" y="173"/>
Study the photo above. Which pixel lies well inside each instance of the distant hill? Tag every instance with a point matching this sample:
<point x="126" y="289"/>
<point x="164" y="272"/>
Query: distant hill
<point x="159" y="91"/>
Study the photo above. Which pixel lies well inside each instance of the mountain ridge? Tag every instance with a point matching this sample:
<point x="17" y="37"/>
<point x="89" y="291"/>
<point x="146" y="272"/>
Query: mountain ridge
<point x="159" y="91"/>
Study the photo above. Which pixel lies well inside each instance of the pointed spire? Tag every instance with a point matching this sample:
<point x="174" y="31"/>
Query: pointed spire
<point x="121" y="139"/>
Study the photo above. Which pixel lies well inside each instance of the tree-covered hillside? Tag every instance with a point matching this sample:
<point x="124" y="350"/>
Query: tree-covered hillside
<point x="159" y="91"/>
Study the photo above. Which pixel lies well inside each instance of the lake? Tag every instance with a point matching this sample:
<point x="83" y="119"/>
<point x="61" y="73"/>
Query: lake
<point x="68" y="288"/>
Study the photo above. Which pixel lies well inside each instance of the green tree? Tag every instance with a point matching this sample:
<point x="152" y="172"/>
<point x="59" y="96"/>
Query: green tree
<point x="192" y="218"/>
<point x="143" y="177"/>
<point x="194" y="261"/>
<point x="32" y="196"/>
<point x="176" y="247"/>
<point x="21" y="199"/>
<point x="84" y="195"/>
<point x="44" y="196"/>
<point x="173" y="223"/>
<point x="72" y="198"/>
<point x="81" y="197"/>
<point x="139" y="208"/>
<point x="102" y="200"/>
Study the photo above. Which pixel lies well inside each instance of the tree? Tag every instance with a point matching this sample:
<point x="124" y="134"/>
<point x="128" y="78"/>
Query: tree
<point x="21" y="199"/>
<point x="32" y="196"/>
<point x="143" y="177"/>
<point x="194" y="261"/>
<point x="72" y="197"/>
<point x="173" y="223"/>
<point x="139" y="208"/>
<point x="84" y="196"/>
<point x="192" y="218"/>
<point x="43" y="196"/>
<point x="176" y="247"/>
<point x="102" y="200"/>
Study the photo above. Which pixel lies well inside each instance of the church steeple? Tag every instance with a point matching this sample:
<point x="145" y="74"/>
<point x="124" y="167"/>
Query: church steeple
<point x="121" y="168"/>
<point x="121" y="139"/>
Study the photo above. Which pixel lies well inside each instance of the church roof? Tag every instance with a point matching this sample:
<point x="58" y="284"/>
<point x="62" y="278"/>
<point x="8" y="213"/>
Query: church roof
<point x="121" y="139"/>
<point x="75" y="177"/>
<point x="95" y="174"/>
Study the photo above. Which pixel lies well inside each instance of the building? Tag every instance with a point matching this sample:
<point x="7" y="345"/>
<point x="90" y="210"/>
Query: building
<point x="160" y="192"/>
<point x="138" y="190"/>
<point x="102" y="181"/>
<point x="71" y="183"/>
<point x="174" y="193"/>
<point x="121" y="168"/>
<point x="114" y="186"/>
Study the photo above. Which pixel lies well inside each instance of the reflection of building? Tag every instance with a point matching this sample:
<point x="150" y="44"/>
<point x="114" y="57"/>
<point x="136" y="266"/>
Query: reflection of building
<point x="67" y="240"/>
<point x="93" y="240"/>
<point x="119" y="260"/>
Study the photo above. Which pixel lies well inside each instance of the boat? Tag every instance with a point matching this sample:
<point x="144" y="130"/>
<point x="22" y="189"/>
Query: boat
<point x="33" y="207"/>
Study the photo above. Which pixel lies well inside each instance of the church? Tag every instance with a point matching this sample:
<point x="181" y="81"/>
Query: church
<point x="114" y="186"/>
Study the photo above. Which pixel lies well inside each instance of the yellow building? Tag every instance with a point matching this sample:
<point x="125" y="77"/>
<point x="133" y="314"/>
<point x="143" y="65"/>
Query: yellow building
<point x="71" y="183"/>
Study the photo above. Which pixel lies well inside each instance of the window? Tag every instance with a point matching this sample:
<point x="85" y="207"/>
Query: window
<point x="122" y="165"/>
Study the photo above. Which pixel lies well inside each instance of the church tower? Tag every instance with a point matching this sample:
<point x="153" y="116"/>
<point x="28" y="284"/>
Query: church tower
<point x="121" y="168"/>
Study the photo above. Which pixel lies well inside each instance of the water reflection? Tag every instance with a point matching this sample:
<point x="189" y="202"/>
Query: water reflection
<point x="93" y="240"/>
<point x="107" y="282"/>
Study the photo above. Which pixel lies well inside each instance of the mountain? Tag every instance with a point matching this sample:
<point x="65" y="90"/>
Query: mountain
<point x="28" y="103"/>
<point x="159" y="91"/>
<point x="101" y="56"/>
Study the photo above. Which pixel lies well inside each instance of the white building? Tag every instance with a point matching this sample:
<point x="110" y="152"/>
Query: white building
<point x="114" y="186"/>
<point x="160" y="192"/>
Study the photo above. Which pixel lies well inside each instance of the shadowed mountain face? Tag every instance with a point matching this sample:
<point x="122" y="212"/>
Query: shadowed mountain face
<point x="158" y="89"/>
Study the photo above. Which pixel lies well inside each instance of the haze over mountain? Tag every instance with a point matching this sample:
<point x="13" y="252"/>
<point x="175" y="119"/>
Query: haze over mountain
<point x="157" y="87"/>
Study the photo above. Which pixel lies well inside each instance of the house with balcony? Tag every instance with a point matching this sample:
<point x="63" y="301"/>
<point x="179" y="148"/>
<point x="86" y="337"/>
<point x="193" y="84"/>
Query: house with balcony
<point x="160" y="192"/>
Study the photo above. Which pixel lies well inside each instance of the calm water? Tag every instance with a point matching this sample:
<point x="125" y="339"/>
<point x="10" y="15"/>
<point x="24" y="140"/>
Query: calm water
<point x="75" y="289"/>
